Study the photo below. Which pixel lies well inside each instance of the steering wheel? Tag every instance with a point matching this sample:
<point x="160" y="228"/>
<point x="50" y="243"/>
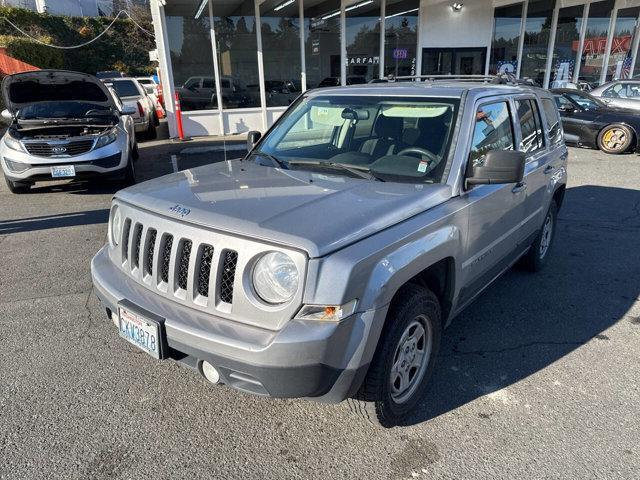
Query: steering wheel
<point x="419" y="151"/>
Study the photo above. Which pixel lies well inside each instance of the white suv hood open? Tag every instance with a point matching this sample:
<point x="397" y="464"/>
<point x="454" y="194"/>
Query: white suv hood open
<point x="53" y="85"/>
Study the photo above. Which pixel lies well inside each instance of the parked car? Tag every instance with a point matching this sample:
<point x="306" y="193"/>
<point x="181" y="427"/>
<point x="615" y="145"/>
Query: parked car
<point x="64" y="125"/>
<point x="620" y="93"/>
<point x="199" y="93"/>
<point x="589" y="122"/>
<point x="109" y="74"/>
<point x="335" y="81"/>
<point x="134" y="95"/>
<point x="281" y="92"/>
<point x="328" y="261"/>
<point x="149" y="84"/>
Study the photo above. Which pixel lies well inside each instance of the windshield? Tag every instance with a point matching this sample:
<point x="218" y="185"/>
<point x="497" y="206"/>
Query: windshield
<point x="53" y="110"/>
<point x="393" y="139"/>
<point x="126" y="88"/>
<point x="585" y="100"/>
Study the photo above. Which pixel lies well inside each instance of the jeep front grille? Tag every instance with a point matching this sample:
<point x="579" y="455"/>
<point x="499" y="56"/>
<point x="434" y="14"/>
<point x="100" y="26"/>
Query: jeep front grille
<point x="45" y="149"/>
<point x="176" y="271"/>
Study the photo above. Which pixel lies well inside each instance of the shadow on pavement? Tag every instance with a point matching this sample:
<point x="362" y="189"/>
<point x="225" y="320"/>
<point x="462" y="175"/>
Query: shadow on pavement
<point x="525" y="322"/>
<point x="72" y="219"/>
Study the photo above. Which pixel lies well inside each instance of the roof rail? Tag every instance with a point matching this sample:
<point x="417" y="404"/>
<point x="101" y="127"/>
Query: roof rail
<point x="502" y="79"/>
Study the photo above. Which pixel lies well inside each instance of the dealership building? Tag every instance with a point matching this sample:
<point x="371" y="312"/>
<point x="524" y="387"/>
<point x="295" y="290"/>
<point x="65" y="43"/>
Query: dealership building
<point x="237" y="64"/>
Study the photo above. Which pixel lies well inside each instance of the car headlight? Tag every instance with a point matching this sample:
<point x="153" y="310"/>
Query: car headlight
<point x="13" y="143"/>
<point x="106" y="139"/>
<point x="116" y="225"/>
<point x="275" y="278"/>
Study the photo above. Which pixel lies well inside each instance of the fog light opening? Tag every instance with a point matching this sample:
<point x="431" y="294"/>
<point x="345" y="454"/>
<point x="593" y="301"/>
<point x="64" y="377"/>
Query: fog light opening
<point x="209" y="372"/>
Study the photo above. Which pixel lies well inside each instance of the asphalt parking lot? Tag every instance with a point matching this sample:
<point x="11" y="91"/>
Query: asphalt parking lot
<point x="537" y="379"/>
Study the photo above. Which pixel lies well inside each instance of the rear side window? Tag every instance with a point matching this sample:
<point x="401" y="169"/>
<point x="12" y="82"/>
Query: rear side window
<point x="553" y="120"/>
<point x="493" y="131"/>
<point x="530" y="125"/>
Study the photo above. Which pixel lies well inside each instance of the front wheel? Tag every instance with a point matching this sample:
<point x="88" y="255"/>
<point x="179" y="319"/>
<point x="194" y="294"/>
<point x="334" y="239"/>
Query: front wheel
<point x="615" y="139"/>
<point x="129" y="173"/>
<point x="404" y="360"/>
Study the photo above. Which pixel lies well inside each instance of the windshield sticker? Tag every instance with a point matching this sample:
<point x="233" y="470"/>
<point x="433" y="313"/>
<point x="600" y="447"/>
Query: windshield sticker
<point x="422" y="166"/>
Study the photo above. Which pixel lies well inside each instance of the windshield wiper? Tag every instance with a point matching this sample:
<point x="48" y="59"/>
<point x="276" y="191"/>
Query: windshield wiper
<point x="276" y="162"/>
<point x="359" y="171"/>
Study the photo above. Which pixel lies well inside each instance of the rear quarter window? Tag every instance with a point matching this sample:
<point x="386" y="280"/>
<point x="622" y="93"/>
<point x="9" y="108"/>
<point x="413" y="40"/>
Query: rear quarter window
<point x="554" y="127"/>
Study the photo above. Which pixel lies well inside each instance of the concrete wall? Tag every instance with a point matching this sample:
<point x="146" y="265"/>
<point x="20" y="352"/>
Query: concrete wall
<point x="442" y="27"/>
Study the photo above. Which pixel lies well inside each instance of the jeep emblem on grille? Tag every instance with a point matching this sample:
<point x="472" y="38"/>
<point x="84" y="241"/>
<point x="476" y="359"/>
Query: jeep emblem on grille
<point x="180" y="210"/>
<point x="58" y="149"/>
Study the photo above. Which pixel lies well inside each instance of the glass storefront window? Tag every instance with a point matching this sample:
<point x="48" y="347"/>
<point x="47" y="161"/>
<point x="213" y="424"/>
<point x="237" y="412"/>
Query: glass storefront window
<point x="322" y="43"/>
<point x="621" y="55"/>
<point x="189" y="37"/>
<point x="401" y="37"/>
<point x="536" y="40"/>
<point x="506" y="36"/>
<point x="235" y="30"/>
<point x="595" y="42"/>
<point x="280" y="28"/>
<point x="363" y="41"/>
<point x="566" y="45"/>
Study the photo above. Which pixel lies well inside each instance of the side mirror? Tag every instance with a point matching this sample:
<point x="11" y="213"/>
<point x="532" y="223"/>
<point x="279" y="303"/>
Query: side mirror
<point x="497" y="166"/>
<point x="252" y="139"/>
<point x="6" y="114"/>
<point x="128" y="110"/>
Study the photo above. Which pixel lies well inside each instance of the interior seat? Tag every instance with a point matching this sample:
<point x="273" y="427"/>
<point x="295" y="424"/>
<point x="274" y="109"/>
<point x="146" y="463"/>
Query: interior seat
<point x="433" y="131"/>
<point x="388" y="137"/>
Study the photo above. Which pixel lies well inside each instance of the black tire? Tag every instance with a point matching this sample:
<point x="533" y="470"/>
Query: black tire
<point x="135" y="152"/>
<point x="130" y="174"/>
<point x="536" y="258"/>
<point x="375" y="400"/>
<point x="156" y="120"/>
<point x="18" y="187"/>
<point x="151" y="132"/>
<point x="615" y="138"/>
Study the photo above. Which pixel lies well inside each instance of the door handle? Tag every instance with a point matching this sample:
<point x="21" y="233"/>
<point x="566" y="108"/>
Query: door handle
<point x="520" y="187"/>
<point x="548" y="169"/>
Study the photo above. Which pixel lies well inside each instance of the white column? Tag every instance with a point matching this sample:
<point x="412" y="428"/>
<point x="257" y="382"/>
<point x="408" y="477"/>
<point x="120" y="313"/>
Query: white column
<point x="166" y="69"/>
<point x="303" y="65"/>
<point x="422" y="13"/>
<point x="607" y="51"/>
<point x="523" y="21"/>
<point x="263" y="96"/>
<point x="343" y="44"/>
<point x="634" y="47"/>
<point x="583" y="31"/>
<point x="216" y="68"/>
<point x="552" y="44"/>
<point x="383" y="8"/>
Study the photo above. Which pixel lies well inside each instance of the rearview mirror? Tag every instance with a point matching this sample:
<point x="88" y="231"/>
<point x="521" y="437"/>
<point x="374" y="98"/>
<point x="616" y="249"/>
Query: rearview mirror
<point x="252" y="139"/>
<point x="128" y="110"/>
<point x="497" y="166"/>
<point x="6" y="114"/>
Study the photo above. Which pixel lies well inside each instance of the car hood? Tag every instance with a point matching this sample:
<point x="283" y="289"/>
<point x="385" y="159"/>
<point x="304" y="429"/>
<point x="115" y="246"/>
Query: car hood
<point x="28" y="88"/>
<point x="318" y="213"/>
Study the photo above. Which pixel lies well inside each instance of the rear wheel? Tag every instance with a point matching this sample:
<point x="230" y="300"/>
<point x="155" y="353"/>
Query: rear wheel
<point x="151" y="132"/>
<point x="130" y="173"/>
<point x="536" y="258"/>
<point x="404" y="360"/>
<point x="615" y="139"/>
<point x="18" y="187"/>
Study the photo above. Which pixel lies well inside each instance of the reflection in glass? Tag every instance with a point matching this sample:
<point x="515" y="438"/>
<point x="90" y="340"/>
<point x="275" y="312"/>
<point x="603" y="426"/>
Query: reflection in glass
<point x="280" y="28"/>
<point x="189" y="40"/>
<point x="595" y="41"/>
<point x="536" y="40"/>
<point x="506" y="35"/>
<point x="401" y="37"/>
<point x="322" y="43"/>
<point x="235" y="29"/>
<point x="621" y="56"/>
<point x="363" y="41"/>
<point x="566" y="45"/>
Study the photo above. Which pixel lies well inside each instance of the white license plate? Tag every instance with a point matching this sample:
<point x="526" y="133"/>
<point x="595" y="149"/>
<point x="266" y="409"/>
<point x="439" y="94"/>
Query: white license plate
<point x="62" y="171"/>
<point x="142" y="332"/>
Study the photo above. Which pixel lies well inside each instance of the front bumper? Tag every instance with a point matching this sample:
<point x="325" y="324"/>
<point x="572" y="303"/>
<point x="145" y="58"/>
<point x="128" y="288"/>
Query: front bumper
<point x="111" y="159"/>
<point x="322" y="360"/>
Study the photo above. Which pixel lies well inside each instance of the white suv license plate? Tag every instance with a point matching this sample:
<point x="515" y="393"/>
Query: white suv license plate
<point x="62" y="171"/>
<point x="143" y="333"/>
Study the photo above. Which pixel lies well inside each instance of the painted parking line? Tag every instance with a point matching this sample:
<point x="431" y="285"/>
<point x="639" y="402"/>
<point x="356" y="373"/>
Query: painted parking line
<point x="214" y="148"/>
<point x="174" y="163"/>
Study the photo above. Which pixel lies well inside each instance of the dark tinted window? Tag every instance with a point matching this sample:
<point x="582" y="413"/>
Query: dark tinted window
<point x="530" y="126"/>
<point x="126" y="88"/>
<point x="553" y="120"/>
<point x="207" y="83"/>
<point x="493" y="131"/>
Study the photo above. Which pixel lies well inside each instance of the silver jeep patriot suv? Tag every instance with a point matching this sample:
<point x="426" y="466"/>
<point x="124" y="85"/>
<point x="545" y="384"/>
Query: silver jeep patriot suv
<point x="327" y="262"/>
